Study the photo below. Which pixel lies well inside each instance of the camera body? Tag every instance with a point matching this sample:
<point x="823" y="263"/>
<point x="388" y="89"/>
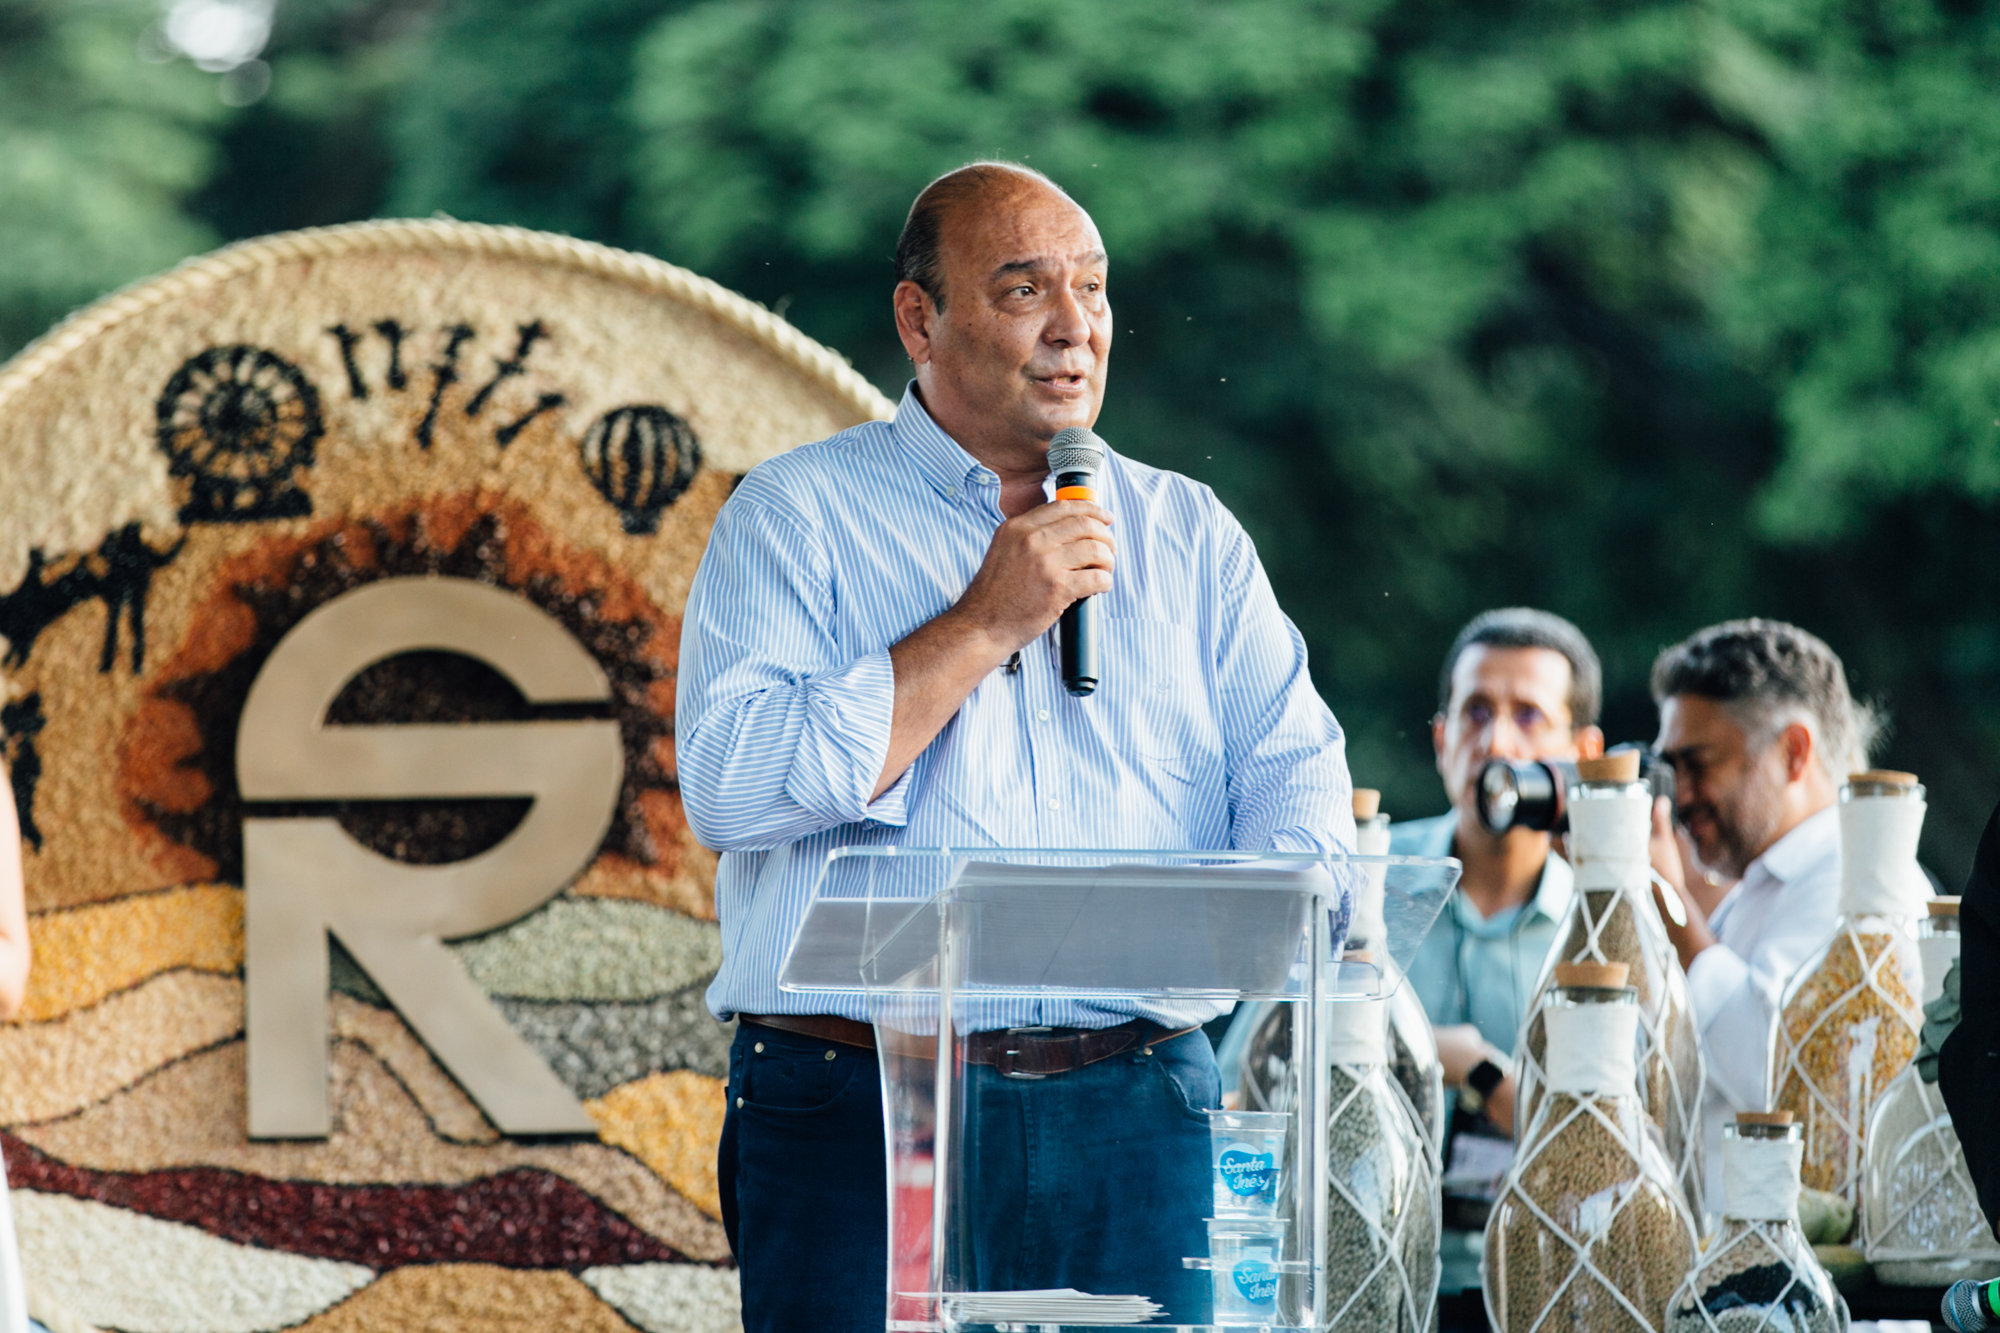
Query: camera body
<point x="1534" y="793"/>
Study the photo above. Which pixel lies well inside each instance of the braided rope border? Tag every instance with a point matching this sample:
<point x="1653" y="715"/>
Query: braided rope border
<point x="444" y="236"/>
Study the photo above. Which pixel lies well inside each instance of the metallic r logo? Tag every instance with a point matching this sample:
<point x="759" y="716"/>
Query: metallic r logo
<point x="306" y="877"/>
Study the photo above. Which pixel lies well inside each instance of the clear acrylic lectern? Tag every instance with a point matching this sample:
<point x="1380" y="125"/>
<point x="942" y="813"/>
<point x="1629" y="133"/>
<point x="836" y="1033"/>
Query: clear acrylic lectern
<point x="947" y="945"/>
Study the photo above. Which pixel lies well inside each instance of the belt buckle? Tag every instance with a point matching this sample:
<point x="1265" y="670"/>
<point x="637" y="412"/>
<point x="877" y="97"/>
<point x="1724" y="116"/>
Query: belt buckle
<point x="1003" y="1060"/>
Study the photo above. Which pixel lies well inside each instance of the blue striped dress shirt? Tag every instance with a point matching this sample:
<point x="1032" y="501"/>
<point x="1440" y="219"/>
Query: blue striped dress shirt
<point x="1205" y="732"/>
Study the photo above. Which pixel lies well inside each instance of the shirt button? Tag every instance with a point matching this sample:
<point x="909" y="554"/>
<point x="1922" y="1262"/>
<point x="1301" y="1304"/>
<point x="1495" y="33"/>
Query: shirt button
<point x="1042" y="716"/>
<point x="1054" y="804"/>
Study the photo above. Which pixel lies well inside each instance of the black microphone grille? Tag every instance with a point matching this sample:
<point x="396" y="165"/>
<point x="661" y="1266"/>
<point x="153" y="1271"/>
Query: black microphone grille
<point x="1075" y="449"/>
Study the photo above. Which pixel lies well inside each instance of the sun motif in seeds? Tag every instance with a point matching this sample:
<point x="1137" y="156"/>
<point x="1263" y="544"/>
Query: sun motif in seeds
<point x="179" y="766"/>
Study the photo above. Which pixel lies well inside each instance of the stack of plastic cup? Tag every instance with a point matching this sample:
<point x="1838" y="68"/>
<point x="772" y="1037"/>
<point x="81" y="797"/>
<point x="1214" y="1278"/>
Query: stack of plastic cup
<point x="1246" y="1237"/>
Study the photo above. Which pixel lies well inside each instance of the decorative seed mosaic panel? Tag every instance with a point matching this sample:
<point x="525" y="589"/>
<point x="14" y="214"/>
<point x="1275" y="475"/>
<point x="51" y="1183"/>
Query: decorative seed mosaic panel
<point x="187" y="471"/>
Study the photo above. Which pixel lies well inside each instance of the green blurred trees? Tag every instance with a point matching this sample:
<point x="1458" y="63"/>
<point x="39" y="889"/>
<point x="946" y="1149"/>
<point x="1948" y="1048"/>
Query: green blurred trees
<point x="98" y="149"/>
<point x="1649" y="313"/>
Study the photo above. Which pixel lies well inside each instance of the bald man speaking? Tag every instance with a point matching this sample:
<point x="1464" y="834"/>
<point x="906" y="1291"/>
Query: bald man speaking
<point x="869" y="657"/>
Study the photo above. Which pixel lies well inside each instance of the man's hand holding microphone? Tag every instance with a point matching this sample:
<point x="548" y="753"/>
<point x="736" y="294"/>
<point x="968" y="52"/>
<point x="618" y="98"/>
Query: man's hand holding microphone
<point x="1039" y="567"/>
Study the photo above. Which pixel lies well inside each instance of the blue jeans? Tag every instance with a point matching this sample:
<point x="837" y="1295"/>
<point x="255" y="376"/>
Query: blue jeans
<point x="1095" y="1179"/>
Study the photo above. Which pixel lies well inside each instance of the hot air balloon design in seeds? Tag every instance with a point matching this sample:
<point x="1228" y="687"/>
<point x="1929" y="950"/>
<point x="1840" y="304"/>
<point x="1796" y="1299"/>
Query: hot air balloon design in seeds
<point x="640" y="458"/>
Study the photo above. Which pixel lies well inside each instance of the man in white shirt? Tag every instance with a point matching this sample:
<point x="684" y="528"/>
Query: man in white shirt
<point x="1758" y="723"/>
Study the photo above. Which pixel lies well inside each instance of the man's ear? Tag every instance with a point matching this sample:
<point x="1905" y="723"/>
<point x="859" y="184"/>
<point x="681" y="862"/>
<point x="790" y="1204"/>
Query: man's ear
<point x="1799" y="758"/>
<point x="916" y="320"/>
<point x="1590" y="743"/>
<point x="1437" y="740"/>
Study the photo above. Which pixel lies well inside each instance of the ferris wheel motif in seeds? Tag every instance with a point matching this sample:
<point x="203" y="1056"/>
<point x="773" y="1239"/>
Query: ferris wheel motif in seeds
<point x="239" y="422"/>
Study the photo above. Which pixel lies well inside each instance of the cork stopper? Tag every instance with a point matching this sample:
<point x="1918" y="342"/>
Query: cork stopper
<point x="1367" y="803"/>
<point x="1945" y="906"/>
<point x="1763" y="1117"/>
<point x="1620" y="767"/>
<point x="1358" y="956"/>
<point x="1884" y="777"/>
<point x="1605" y="975"/>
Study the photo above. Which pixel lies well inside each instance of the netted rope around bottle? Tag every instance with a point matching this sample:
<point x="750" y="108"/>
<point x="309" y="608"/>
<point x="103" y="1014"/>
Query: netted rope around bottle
<point x="1835" y="1119"/>
<point x="1940" y="1221"/>
<point x="1582" y="1266"/>
<point x="1666" y="1015"/>
<point x="739" y="313"/>
<point x="1776" y="1314"/>
<point x="1422" y="1188"/>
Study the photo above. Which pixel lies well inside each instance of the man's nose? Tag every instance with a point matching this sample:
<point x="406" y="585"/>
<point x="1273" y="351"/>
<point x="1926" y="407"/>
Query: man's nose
<point x="1068" y="326"/>
<point x="1505" y="740"/>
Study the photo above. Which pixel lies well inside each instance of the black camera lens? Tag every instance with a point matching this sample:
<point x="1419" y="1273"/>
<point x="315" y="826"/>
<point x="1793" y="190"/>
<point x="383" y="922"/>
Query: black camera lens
<point x="1530" y="794"/>
<point x="1534" y="793"/>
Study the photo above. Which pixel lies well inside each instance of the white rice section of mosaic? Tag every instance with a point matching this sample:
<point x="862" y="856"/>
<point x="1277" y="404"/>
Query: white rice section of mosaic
<point x="123" y="1270"/>
<point x="671" y="1298"/>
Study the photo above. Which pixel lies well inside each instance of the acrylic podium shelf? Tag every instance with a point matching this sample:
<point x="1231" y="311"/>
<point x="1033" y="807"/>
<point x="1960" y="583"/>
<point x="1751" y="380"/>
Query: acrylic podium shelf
<point x="944" y="944"/>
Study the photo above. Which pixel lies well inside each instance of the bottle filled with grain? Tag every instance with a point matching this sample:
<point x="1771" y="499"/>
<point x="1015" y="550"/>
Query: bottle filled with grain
<point x="1591" y="1232"/>
<point x="1849" y="1019"/>
<point x="1413" y="1053"/>
<point x="1382" y="1186"/>
<point x="1613" y="918"/>
<point x="1262" y="1061"/>
<point x="1757" y="1273"/>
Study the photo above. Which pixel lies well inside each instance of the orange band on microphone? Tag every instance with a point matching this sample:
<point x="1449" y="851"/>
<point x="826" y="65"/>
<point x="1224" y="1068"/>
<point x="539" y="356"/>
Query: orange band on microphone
<point x="1075" y="493"/>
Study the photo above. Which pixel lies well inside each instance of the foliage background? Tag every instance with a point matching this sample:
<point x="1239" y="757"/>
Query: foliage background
<point x="1653" y="314"/>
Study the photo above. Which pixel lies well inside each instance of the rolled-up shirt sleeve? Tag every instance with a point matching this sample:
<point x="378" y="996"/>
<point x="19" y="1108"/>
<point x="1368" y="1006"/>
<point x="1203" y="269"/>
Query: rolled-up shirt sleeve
<point x="778" y="732"/>
<point x="1289" y="789"/>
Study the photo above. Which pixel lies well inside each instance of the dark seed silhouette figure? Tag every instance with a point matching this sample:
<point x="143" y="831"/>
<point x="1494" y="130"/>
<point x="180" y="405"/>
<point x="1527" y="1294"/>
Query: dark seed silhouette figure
<point x="120" y="572"/>
<point x="20" y="722"/>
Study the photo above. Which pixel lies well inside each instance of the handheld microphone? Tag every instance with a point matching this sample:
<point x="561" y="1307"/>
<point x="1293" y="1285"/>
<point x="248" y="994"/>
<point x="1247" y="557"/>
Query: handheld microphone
<point x="1075" y="454"/>
<point x="1970" y="1307"/>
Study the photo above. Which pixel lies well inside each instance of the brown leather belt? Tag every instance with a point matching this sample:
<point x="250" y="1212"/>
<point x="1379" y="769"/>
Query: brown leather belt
<point x="1014" y="1052"/>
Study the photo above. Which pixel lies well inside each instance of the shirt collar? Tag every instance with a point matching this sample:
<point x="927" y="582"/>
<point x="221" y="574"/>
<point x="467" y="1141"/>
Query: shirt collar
<point x="940" y="460"/>
<point x="1552" y="892"/>
<point x="1558" y="886"/>
<point x="1811" y="840"/>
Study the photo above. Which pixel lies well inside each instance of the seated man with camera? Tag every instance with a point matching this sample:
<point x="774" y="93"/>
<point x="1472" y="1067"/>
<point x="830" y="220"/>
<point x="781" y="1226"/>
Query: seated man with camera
<point x="1518" y="684"/>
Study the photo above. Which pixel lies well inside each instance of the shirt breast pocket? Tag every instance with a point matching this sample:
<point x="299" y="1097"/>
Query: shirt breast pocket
<point x="1163" y="719"/>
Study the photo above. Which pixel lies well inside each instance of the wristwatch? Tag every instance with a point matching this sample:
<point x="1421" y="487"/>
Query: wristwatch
<point x="1479" y="1084"/>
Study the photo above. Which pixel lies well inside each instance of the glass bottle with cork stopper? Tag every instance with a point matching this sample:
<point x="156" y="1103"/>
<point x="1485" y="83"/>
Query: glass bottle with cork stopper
<point x="1920" y="1220"/>
<point x="1757" y="1273"/>
<point x="1849" y="1019"/>
<point x="1613" y="918"/>
<point x="1413" y="1053"/>
<point x="1382" y="1195"/>
<point x="1261" y="1060"/>
<point x="1591" y="1230"/>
